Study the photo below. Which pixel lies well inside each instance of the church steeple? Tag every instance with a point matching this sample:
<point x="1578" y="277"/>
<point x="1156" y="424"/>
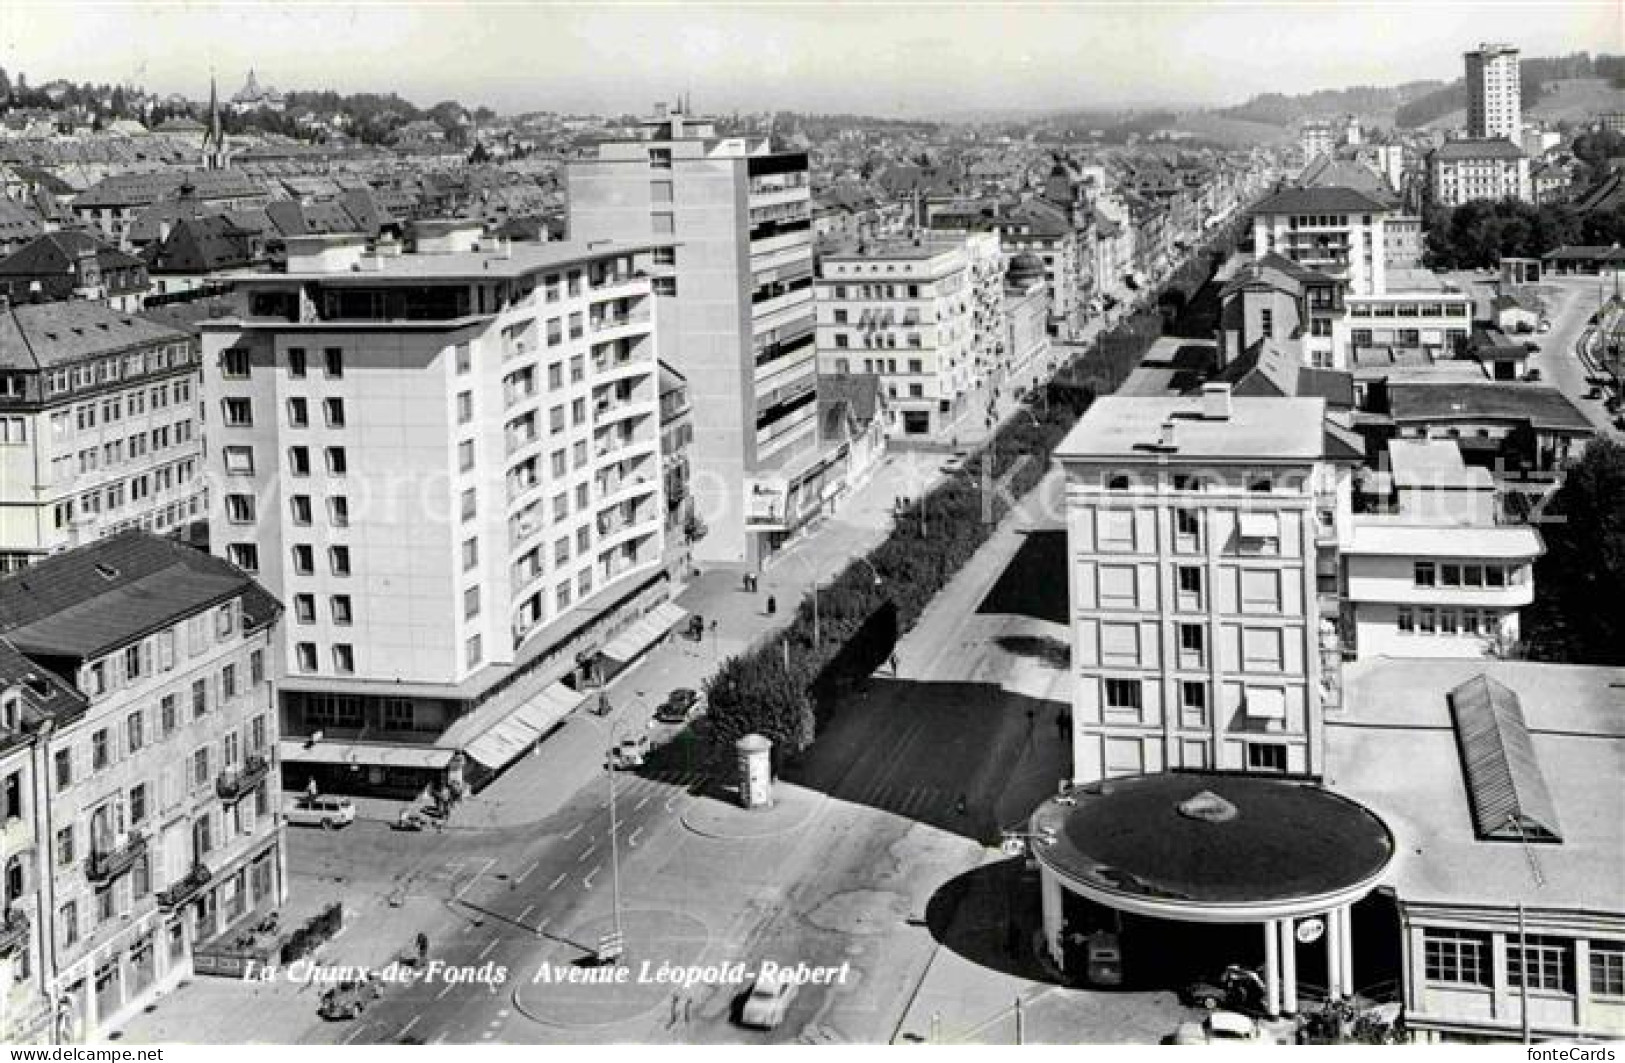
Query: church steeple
<point x="214" y="140"/>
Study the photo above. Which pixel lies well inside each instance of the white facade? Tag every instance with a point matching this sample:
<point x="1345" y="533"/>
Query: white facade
<point x="1196" y="625"/>
<point x="1457" y="174"/>
<point x="1494" y="92"/>
<point x="446" y="453"/>
<point x="1348" y="244"/>
<point x="95" y="440"/>
<point x="915" y="315"/>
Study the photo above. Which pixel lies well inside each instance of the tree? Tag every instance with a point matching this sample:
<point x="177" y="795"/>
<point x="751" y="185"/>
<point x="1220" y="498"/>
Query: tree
<point x="1578" y="614"/>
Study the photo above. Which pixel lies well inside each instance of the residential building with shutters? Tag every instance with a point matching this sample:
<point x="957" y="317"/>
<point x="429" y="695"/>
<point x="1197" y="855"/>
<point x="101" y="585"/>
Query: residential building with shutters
<point x="142" y="672"/>
<point x="1200" y="635"/>
<point x="447" y="462"/>
<point x="99" y="428"/>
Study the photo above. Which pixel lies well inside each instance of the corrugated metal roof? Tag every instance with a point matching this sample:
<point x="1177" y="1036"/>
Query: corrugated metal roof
<point x="1505" y="786"/>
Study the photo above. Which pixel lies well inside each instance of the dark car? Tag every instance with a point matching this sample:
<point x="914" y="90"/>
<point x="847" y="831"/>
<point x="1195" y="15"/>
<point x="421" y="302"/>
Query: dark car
<point x="679" y="705"/>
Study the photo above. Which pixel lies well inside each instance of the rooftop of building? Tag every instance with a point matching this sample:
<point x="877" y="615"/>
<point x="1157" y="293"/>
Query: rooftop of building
<point x="491" y="262"/>
<point x="1477" y="148"/>
<point x="919" y="250"/>
<point x="1269" y="369"/>
<point x="36" y="336"/>
<point x="1398" y="715"/>
<point x="1422" y="463"/>
<point x="1400" y="536"/>
<point x="1327" y="199"/>
<point x="56" y="252"/>
<point x="1256" y="429"/>
<point x="1541" y="406"/>
<point x="85" y="602"/>
<point x="45" y="695"/>
<point x="1214" y="840"/>
<point x="1402" y="282"/>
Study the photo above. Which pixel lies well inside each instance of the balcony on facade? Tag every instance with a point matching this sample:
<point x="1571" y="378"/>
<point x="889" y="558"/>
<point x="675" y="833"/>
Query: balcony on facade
<point x="105" y="864"/>
<point x="186" y="888"/>
<point x="235" y="783"/>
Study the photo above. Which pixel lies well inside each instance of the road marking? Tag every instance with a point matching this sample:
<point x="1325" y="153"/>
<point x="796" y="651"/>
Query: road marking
<point x="673" y="799"/>
<point x="641" y="803"/>
<point x="489" y="945"/>
<point x="408" y="1027"/>
<point x="534" y="865"/>
<point x="543" y="926"/>
<point x="503" y="1014"/>
<point x="355" y="1033"/>
<point x="587" y="882"/>
<point x="447" y="988"/>
<point x="528" y="909"/>
<point x="632" y="839"/>
<point x="468" y="928"/>
<point x="470" y="883"/>
<point x="573" y="832"/>
<point x="587" y="852"/>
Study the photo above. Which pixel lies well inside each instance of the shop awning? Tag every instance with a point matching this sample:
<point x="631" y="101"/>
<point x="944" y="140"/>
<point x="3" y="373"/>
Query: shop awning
<point x="640" y="636"/>
<point x="295" y="751"/>
<point x="510" y="736"/>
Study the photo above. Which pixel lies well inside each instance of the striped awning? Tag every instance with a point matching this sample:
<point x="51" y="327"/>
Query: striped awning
<point x="640" y="636"/>
<point x="364" y="754"/>
<point x="1505" y="786"/>
<point x="510" y="736"/>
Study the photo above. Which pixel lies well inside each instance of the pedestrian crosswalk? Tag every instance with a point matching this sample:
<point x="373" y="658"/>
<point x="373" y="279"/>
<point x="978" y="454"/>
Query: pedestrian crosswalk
<point x="914" y="801"/>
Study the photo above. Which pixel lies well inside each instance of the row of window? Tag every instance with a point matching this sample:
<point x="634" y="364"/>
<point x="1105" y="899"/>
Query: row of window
<point x="121" y="367"/>
<point x="116" y="408"/>
<point x="158" y="652"/>
<point x="878" y="341"/>
<point x="116" y="900"/>
<point x="1464" y="957"/>
<point x="143" y="727"/>
<point x="1462" y="574"/>
<point x="239" y="460"/>
<point x="1410" y="309"/>
<point x="65" y="466"/>
<point x="1426" y="621"/>
<point x="307" y="658"/>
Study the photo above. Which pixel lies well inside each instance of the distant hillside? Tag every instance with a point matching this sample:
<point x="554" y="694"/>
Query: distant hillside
<point x="1232" y="132"/>
<point x="1277" y="109"/>
<point x="1558" y="101"/>
<point x="1584" y="84"/>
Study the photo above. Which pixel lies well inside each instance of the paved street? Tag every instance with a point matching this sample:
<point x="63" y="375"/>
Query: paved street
<point x="882" y="837"/>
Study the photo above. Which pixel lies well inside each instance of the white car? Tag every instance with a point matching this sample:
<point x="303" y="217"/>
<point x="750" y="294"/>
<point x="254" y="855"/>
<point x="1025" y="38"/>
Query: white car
<point x="1221" y="1028"/>
<point x="326" y="811"/>
<point x="767" y="1003"/>
<point x="956" y="462"/>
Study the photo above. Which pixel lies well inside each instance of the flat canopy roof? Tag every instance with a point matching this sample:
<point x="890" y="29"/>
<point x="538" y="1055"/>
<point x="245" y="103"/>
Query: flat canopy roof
<point x="1259" y="429"/>
<point x="1247" y="842"/>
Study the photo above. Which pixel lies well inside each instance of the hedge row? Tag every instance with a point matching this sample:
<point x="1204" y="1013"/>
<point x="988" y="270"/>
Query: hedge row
<point x="769" y="689"/>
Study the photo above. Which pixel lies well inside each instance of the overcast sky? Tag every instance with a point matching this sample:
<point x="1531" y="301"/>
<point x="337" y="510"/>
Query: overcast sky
<point x="873" y="58"/>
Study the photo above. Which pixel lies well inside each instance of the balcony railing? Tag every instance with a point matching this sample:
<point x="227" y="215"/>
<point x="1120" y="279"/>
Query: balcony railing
<point x="104" y="865"/>
<point x="187" y="888"/>
<point x="234" y="783"/>
<point x="13" y="931"/>
<point x="613" y="321"/>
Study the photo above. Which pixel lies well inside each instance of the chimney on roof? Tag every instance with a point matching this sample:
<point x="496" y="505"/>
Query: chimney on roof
<point x="1215" y="402"/>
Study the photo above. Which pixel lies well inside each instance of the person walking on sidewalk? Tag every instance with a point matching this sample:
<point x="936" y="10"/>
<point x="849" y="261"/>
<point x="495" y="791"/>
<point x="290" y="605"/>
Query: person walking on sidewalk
<point x="772" y="605"/>
<point x="894" y="665"/>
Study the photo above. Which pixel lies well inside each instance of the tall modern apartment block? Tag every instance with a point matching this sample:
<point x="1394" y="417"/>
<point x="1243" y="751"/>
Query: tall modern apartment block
<point x="1494" y="93"/>
<point x="1194" y="529"/>
<point x="447" y="464"/>
<point x="737" y="308"/>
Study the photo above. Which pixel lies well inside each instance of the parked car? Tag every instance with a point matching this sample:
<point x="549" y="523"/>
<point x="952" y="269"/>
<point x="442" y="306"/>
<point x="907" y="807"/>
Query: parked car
<point x="956" y="462"/>
<point x="327" y="811"/>
<point x="767" y="1002"/>
<point x="629" y="753"/>
<point x="1531" y="346"/>
<point x="1544" y="326"/>
<point x="680" y="706"/>
<point x="1221" y="1028"/>
<point x="1532" y="377"/>
<point x="1594" y="392"/>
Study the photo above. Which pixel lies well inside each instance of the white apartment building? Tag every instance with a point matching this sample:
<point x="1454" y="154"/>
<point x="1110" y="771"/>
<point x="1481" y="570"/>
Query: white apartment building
<point x="737" y="284"/>
<point x="1494" y="92"/>
<point x="1195" y="528"/>
<point x="1436" y="575"/>
<point x="916" y="315"/>
<point x="154" y="834"/>
<point x="1463" y="170"/>
<point x="447" y="463"/>
<point x="1317" y="137"/>
<point x="1423" y="315"/>
<point x="1336" y="231"/>
<point x="25" y="1003"/>
<point x="99" y="428"/>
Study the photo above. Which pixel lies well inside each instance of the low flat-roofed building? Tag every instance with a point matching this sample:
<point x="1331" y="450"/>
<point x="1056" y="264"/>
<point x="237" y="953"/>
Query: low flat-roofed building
<point x="1502" y="357"/>
<point x="1522" y="424"/>
<point x="1513" y="835"/>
